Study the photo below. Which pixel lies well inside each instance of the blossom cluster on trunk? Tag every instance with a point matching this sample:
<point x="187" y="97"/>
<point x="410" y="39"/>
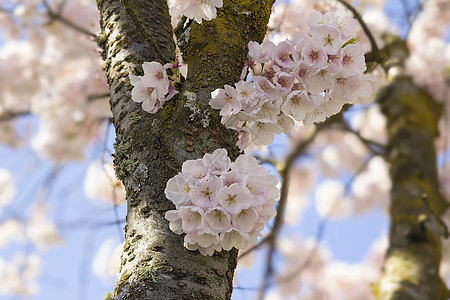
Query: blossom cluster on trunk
<point x="221" y="204"/>
<point x="304" y="79"/>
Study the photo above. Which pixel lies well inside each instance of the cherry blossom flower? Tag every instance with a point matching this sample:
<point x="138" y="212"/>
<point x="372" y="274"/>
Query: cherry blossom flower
<point x="198" y="9"/>
<point x="330" y="199"/>
<point x="218" y="219"/>
<point x="232" y="177"/>
<point x="155" y="76"/>
<point x="282" y="55"/>
<point x="225" y="206"/>
<point x="353" y="59"/>
<point x="263" y="133"/>
<point x="197" y="169"/>
<point x="153" y="88"/>
<point x="319" y="81"/>
<point x="316" y="19"/>
<point x="19" y="275"/>
<point x="177" y="189"/>
<point x="11" y="230"/>
<point x="225" y="100"/>
<point x="304" y="78"/>
<point x="106" y="262"/>
<point x="327" y="38"/>
<point x="144" y="94"/>
<point x="314" y="56"/>
<point x="204" y="194"/>
<point x="297" y="105"/>
<point x="244" y="221"/>
<point x="234" y="198"/>
<point x="347" y="26"/>
<point x="40" y="229"/>
<point x="236" y="239"/>
<point x="191" y="218"/>
<point x="174" y="221"/>
<point x="218" y="161"/>
<point x="261" y="53"/>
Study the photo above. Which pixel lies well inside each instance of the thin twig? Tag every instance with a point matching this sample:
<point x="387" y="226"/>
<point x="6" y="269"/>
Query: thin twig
<point x="8" y="116"/>
<point x="322" y="226"/>
<point x="86" y="222"/>
<point x="241" y="288"/>
<point x="7" y="11"/>
<point x="264" y="160"/>
<point x="410" y="18"/>
<point x="98" y="96"/>
<point x="407" y="13"/>
<point x="57" y="16"/>
<point x="418" y="10"/>
<point x="253" y="248"/>
<point x="284" y="173"/>
<point x="363" y="25"/>
<point x="375" y="147"/>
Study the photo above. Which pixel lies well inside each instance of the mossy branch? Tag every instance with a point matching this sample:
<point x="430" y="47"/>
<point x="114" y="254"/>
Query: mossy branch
<point x="411" y="268"/>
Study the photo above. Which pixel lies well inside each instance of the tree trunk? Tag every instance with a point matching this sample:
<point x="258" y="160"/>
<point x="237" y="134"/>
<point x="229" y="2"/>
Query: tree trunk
<point x="150" y="149"/>
<point x="411" y="268"/>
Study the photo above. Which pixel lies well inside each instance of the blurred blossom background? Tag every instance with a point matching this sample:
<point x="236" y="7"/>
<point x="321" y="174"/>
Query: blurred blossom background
<point x="62" y="209"/>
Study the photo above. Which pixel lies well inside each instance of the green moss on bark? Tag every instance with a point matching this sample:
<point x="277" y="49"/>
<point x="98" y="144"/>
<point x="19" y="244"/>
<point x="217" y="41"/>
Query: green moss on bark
<point x="150" y="149"/>
<point x="411" y="269"/>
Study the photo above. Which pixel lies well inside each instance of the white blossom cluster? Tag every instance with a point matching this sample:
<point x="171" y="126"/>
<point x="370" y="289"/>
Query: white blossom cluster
<point x="154" y="87"/>
<point x="220" y="204"/>
<point x="304" y="79"/>
<point x="197" y="9"/>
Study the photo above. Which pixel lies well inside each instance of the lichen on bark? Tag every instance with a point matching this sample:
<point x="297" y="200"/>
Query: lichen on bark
<point x="411" y="267"/>
<point x="150" y="149"/>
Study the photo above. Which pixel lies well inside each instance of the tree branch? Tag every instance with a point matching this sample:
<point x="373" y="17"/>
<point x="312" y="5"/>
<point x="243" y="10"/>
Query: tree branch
<point x="98" y="97"/>
<point x="57" y="16"/>
<point x="279" y="219"/>
<point x="151" y="148"/>
<point x="284" y="173"/>
<point x="411" y="267"/>
<point x="363" y="25"/>
<point x="374" y="147"/>
<point x="8" y="116"/>
<point x="322" y="226"/>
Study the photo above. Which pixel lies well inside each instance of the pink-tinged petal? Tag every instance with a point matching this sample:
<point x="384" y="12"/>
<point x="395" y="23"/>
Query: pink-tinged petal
<point x="196" y="169"/>
<point x="177" y="189"/>
<point x="191" y="218"/>
<point x="151" y="106"/>
<point x="218" y="162"/>
<point x="245" y="220"/>
<point x="174" y="221"/>
<point x="172" y="92"/>
<point x="135" y="79"/>
<point x="347" y="26"/>
<point x="233" y="198"/>
<point x="315" y="56"/>
<point x="218" y="219"/>
<point x="327" y="38"/>
<point x="236" y="239"/>
<point x="263" y="133"/>
<point x="353" y="61"/>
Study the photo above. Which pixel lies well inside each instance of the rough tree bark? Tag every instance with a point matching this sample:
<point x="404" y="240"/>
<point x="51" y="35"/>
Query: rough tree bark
<point x="150" y="149"/>
<point x="411" y="268"/>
